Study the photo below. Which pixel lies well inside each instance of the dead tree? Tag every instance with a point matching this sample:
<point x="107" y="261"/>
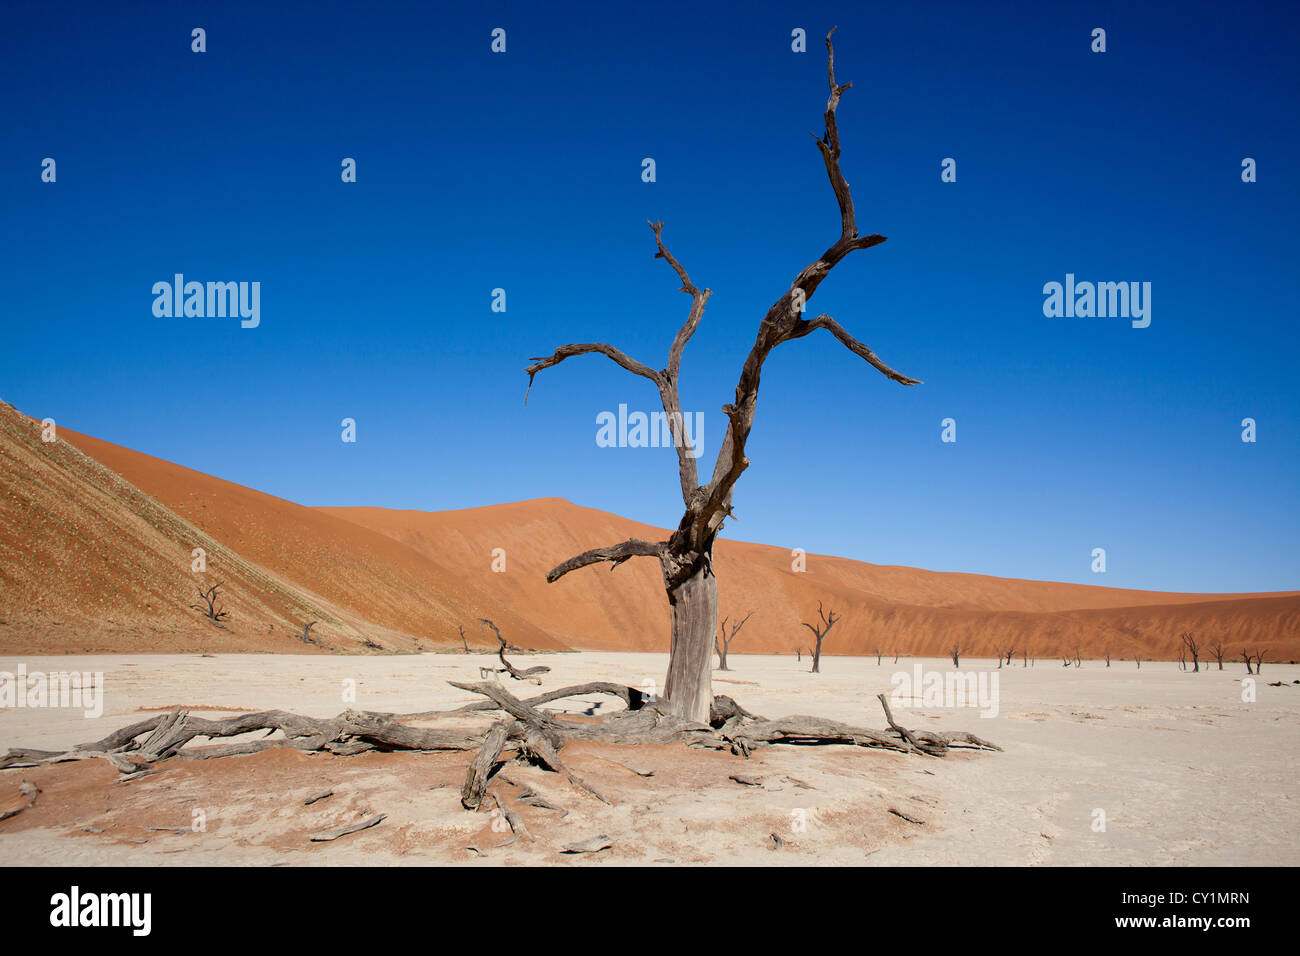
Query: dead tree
<point x="723" y="643"/>
<point x="997" y="652"/>
<point x="528" y="673"/>
<point x="877" y="657"/>
<point x="1024" y="658"/>
<point x="895" y="657"/>
<point x="1182" y="658"/>
<point x="209" y="606"/>
<point x="305" y="636"/>
<point x="1245" y="656"/>
<point x="1010" y="651"/>
<point x="1218" y="651"/>
<point x="533" y="735"/>
<point x="820" y="630"/>
<point x="955" y="653"/>
<point x="1108" y="657"/>
<point x="463" y="643"/>
<point x="1193" y="648"/>
<point x="1078" y="662"/>
<point x="686" y="558"/>
<point x="1259" y="661"/>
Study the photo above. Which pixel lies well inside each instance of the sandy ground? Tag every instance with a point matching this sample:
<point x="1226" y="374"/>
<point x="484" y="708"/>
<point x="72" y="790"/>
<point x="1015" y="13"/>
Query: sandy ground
<point x="1185" y="772"/>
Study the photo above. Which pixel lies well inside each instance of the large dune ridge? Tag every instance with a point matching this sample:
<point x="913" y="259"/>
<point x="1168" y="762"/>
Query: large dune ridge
<point x="895" y="610"/>
<point x="95" y="545"/>
<point x="95" y="554"/>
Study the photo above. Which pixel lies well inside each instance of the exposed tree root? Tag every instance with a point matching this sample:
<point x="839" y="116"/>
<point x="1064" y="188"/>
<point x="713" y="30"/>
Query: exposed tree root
<point x="526" y="733"/>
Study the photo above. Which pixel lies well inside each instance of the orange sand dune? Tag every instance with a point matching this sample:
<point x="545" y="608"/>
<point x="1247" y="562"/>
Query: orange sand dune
<point x="891" y="609"/>
<point x="95" y="544"/>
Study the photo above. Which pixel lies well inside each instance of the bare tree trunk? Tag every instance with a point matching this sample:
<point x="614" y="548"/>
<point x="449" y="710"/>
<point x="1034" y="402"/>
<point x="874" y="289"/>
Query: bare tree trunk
<point x="820" y="630"/>
<point x="689" y="687"/>
<point x="723" y="641"/>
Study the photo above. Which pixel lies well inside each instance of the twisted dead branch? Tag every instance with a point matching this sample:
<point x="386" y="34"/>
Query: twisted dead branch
<point x="533" y="735"/>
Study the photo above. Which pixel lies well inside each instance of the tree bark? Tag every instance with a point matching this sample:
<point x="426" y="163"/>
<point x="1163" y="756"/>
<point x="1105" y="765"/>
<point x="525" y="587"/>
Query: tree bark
<point x="689" y="687"/>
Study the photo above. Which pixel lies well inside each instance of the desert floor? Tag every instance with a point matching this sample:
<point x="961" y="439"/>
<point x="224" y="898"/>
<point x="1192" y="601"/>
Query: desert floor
<point x="1185" y="772"/>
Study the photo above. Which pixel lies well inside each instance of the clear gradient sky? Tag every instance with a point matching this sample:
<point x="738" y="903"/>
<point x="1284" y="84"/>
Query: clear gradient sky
<point x="523" y="171"/>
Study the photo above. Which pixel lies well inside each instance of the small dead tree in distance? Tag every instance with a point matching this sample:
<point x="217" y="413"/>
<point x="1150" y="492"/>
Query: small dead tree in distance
<point x="1218" y="651"/>
<point x="1259" y="661"/>
<point x="528" y="673"/>
<point x="723" y="642"/>
<point x="209" y="606"/>
<point x="1193" y="648"/>
<point x="820" y="631"/>
<point x="686" y="558"/>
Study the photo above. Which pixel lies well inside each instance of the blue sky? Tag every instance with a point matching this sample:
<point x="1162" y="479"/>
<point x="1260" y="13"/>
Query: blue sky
<point x="523" y="171"/>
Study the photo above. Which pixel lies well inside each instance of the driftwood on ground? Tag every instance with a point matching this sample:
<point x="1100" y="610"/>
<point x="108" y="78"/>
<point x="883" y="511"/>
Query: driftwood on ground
<point x="525" y="733"/>
<point x="534" y="733"/>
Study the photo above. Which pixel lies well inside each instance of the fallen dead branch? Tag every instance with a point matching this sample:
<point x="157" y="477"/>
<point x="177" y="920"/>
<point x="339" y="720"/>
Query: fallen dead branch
<point x="525" y="733"/>
<point x="640" y="772"/>
<point x="594" y="845"/>
<point x="356" y="827"/>
<point x="904" y="816"/>
<point x="27" y="794"/>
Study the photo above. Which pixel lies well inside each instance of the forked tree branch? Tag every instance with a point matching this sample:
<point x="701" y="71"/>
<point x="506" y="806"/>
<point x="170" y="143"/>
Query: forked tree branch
<point x="665" y="380"/>
<point x="784" y="321"/>
<point x="708" y="506"/>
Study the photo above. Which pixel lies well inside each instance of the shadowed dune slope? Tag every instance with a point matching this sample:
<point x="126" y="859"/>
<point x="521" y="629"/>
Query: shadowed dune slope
<point x="95" y="554"/>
